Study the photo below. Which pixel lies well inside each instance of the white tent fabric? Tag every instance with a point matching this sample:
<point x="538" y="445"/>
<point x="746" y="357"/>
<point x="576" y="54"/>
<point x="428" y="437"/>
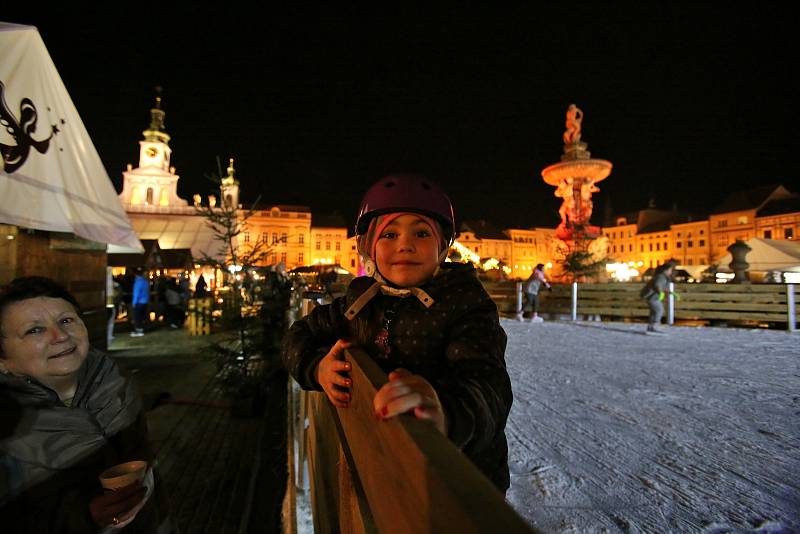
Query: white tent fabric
<point x="768" y="255"/>
<point x="51" y="177"/>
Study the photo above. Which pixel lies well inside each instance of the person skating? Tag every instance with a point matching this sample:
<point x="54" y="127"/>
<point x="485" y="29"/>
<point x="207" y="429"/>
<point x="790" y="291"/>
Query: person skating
<point x="654" y="293"/>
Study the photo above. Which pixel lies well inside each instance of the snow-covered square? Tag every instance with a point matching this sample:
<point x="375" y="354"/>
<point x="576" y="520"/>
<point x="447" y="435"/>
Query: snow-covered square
<point x="614" y="430"/>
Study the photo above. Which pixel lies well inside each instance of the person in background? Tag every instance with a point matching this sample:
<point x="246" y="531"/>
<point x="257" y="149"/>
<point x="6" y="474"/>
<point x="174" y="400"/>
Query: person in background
<point x="429" y="324"/>
<point x="140" y="301"/>
<point x="113" y="311"/>
<point x="531" y="288"/>
<point x="67" y="413"/>
<point x="175" y="311"/>
<point x="200" y="288"/>
<point x="654" y="293"/>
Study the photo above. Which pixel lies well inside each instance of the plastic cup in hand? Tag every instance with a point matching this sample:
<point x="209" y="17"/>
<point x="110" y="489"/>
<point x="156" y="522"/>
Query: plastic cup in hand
<point x="122" y="475"/>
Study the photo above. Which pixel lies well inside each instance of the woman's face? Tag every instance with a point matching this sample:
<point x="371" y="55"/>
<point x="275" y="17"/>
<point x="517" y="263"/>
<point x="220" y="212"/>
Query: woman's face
<point x="407" y="251"/>
<point x="43" y="338"/>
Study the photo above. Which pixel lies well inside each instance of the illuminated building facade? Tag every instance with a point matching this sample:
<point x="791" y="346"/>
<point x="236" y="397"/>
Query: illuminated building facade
<point x="736" y="217"/>
<point x="330" y="244"/>
<point x="691" y="244"/>
<point x="284" y="232"/>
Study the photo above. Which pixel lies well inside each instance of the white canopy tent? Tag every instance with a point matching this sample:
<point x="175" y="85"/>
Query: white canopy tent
<point x="767" y="255"/>
<point x="51" y="177"/>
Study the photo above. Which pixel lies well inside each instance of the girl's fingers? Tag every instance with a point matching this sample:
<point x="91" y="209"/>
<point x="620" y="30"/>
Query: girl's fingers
<point x="398" y="374"/>
<point x="403" y="404"/>
<point x="340" y="380"/>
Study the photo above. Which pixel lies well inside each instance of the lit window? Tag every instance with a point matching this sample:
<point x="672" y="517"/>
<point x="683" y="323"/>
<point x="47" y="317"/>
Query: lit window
<point x="247" y="237"/>
<point x="283" y="257"/>
<point x="327" y="245"/>
<point x="319" y="245"/>
<point x="284" y="237"/>
<point x="338" y="246"/>
<point x="301" y="239"/>
<point x="300" y="258"/>
<point x="666" y="246"/>
<point x="722" y="224"/>
<point x="742" y="219"/>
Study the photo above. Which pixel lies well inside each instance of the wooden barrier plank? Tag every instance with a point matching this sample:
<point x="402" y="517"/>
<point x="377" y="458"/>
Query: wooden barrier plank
<point x="414" y="479"/>
<point x="731" y="288"/>
<point x="731" y="306"/>
<point x="620" y="312"/>
<point x="732" y="316"/>
<point x="323" y="458"/>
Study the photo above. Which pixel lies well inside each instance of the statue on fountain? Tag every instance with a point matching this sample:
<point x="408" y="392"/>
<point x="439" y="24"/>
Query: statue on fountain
<point x="574" y="119"/>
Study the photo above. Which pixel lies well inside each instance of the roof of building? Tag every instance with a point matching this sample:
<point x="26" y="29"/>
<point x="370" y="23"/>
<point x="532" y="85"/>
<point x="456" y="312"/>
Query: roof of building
<point x="780" y="206"/>
<point x="150" y="258"/>
<point x="654" y="220"/>
<point x="177" y="258"/>
<point x="262" y="206"/>
<point x="483" y="229"/>
<point x="751" y="199"/>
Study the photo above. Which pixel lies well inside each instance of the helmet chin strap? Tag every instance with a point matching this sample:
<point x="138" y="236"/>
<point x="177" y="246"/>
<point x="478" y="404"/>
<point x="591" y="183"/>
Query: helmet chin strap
<point x="387" y="288"/>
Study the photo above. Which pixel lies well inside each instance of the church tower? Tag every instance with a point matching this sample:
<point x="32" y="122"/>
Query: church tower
<point x="229" y="188"/>
<point x="153" y="185"/>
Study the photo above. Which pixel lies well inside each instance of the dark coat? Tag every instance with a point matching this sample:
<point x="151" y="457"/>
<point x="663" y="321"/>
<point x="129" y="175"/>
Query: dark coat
<point x="51" y="454"/>
<point x="457" y="345"/>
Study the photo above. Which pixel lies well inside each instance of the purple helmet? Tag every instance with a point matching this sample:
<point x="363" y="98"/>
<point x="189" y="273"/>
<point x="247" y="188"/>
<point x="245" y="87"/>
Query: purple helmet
<point x="407" y="192"/>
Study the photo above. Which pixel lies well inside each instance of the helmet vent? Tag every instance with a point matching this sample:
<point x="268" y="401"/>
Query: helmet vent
<point x="426" y="186"/>
<point x="390" y="184"/>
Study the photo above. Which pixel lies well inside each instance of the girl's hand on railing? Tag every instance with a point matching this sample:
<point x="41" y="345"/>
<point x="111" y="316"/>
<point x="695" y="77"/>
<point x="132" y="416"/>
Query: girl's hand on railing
<point x="332" y="375"/>
<point x="406" y="392"/>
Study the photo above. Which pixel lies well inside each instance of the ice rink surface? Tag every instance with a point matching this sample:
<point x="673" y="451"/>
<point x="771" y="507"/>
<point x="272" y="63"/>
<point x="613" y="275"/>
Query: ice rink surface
<point x="614" y="430"/>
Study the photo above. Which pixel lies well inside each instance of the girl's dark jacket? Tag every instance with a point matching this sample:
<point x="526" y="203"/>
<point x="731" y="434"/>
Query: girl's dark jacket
<point x="457" y="344"/>
<point x="51" y="454"/>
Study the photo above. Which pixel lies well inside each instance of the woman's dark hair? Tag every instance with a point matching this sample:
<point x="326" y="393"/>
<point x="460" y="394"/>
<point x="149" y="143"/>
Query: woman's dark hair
<point x="539" y="266"/>
<point x="31" y="287"/>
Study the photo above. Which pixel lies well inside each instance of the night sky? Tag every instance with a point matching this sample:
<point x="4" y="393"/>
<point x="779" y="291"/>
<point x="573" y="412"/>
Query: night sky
<point x="687" y="102"/>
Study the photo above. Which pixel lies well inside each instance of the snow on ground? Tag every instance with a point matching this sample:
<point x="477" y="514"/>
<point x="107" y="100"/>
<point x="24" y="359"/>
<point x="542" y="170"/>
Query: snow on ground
<point x="613" y="430"/>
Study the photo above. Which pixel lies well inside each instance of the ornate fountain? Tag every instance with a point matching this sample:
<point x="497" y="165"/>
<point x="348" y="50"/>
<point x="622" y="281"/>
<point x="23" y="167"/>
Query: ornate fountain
<point x="574" y="179"/>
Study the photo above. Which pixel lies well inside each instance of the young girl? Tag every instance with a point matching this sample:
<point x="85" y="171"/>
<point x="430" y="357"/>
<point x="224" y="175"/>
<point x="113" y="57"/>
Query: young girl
<point x="430" y="325"/>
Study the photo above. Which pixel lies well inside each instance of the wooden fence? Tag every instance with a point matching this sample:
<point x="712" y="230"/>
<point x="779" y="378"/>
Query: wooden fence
<point x="751" y="303"/>
<point x="396" y="476"/>
<point x="199" y="316"/>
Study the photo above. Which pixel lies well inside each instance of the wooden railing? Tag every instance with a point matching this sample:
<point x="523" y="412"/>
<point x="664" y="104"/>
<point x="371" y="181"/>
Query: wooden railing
<point x="395" y="476"/>
<point x="759" y="303"/>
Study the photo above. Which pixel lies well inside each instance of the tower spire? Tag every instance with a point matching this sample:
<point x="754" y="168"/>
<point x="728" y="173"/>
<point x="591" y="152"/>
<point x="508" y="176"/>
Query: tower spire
<point x="155" y="132"/>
